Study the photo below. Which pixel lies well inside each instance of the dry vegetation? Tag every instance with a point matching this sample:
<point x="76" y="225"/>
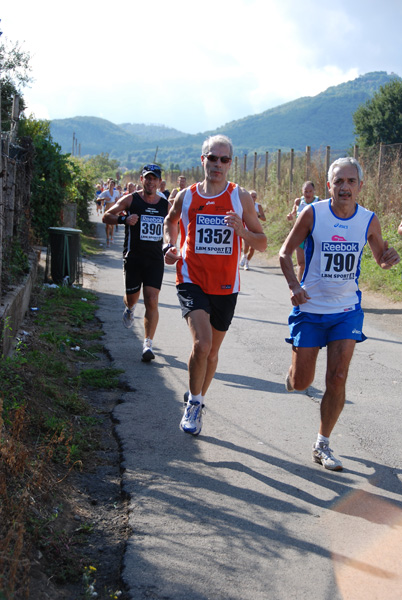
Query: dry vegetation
<point x="63" y="520"/>
<point x="382" y="193"/>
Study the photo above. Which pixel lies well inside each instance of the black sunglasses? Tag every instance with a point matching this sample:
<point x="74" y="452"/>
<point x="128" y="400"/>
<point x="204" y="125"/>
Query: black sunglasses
<point x="213" y="158"/>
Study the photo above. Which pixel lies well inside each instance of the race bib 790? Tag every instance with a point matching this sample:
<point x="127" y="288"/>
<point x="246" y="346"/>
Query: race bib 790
<point x="338" y="259"/>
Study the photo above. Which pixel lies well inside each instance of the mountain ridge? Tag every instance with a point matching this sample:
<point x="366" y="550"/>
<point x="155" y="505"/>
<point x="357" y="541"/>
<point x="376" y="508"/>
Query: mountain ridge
<point x="317" y="121"/>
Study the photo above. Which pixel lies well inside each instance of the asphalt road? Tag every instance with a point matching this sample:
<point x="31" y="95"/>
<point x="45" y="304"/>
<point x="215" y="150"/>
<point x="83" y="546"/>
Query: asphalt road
<point x="241" y="512"/>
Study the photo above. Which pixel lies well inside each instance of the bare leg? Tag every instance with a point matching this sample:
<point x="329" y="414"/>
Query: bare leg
<point x="212" y="361"/>
<point x="250" y="253"/>
<point x="302" y="369"/>
<point x="109" y="233"/>
<point x="339" y="356"/>
<point x="131" y="300"/>
<point x="151" y="317"/>
<point x="204" y="355"/>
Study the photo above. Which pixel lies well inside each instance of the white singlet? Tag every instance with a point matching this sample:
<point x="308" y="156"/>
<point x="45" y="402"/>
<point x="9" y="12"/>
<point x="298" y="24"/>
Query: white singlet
<point x="333" y="252"/>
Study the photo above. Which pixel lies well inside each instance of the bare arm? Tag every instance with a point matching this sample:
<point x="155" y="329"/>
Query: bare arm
<point x="400" y="228"/>
<point x="173" y="193"/>
<point x="261" y="213"/>
<point x="294" y="209"/>
<point x="252" y="234"/>
<point x="384" y="256"/>
<point x="297" y="235"/>
<point x="171" y="230"/>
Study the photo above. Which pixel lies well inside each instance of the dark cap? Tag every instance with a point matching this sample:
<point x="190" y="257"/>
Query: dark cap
<point x="153" y="169"/>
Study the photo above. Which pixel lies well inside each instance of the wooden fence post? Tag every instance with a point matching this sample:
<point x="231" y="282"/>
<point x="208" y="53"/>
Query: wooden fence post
<point x="255" y="170"/>
<point x="292" y="160"/>
<point x="245" y="170"/>
<point x="278" y="168"/>
<point x="1" y="202"/>
<point x="356" y="152"/>
<point x="327" y="163"/>
<point x="266" y="168"/>
<point x="236" y="167"/>
<point x="380" y="159"/>
<point x="308" y="162"/>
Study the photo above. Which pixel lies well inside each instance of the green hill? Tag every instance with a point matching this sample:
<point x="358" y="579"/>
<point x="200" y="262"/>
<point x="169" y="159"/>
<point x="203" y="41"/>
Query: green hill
<point x="322" y="120"/>
<point x="94" y="135"/>
<point x="317" y="121"/>
<point x="151" y="132"/>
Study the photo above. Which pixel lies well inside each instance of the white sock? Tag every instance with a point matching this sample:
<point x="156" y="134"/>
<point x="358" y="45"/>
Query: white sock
<point x="195" y="397"/>
<point x="321" y="439"/>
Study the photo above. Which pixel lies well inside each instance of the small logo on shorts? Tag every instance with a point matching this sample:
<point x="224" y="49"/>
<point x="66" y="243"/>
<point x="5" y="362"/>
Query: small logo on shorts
<point x="356" y="331"/>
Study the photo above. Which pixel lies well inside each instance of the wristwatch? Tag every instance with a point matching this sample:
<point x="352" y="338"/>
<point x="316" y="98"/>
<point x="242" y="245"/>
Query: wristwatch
<point x="166" y="247"/>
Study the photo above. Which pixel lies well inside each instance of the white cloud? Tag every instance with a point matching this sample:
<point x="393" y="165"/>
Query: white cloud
<point x="195" y="67"/>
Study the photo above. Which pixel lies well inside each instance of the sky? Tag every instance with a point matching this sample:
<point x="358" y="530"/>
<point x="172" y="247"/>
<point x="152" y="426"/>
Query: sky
<point x="195" y="66"/>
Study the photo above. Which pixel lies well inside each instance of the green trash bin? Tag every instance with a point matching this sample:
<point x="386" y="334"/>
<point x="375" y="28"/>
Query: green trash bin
<point x="65" y="253"/>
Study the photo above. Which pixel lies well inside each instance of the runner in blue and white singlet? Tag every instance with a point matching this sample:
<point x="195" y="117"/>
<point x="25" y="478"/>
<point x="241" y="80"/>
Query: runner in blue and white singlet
<point x="326" y="303"/>
<point x="333" y="252"/>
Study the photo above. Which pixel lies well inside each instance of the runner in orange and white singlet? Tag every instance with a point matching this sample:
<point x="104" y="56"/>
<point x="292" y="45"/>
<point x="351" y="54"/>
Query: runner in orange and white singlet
<point x="209" y="249"/>
<point x="214" y="216"/>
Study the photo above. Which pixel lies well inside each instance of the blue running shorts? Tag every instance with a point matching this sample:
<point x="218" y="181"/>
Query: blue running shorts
<point x="309" y="330"/>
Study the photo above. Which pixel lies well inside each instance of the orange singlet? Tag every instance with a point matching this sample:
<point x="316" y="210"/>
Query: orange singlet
<point x="209" y="248"/>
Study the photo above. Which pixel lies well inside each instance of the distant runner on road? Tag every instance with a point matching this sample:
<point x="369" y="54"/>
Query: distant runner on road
<point x="211" y="215"/>
<point x="300" y="204"/>
<point x="326" y="303"/>
<point x="143" y="217"/>
<point x="248" y="252"/>
<point x="109" y="196"/>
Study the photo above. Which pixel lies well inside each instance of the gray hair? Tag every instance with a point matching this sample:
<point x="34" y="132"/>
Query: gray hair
<point x="348" y="160"/>
<point x="217" y="139"/>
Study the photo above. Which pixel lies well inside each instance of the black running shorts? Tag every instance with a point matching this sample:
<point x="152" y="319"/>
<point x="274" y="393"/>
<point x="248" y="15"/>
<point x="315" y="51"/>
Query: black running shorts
<point x="145" y="271"/>
<point x="220" y="307"/>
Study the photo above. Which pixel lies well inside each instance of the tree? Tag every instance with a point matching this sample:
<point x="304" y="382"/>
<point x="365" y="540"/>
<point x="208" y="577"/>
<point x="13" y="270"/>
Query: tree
<point x="58" y="179"/>
<point x="50" y="178"/>
<point x="380" y="119"/>
<point x="102" y="166"/>
<point x="14" y="76"/>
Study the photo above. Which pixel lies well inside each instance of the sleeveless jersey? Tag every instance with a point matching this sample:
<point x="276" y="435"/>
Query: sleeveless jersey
<point x="146" y="236"/>
<point x="333" y="252"/>
<point x="303" y="204"/>
<point x="210" y="250"/>
<point x="108" y="197"/>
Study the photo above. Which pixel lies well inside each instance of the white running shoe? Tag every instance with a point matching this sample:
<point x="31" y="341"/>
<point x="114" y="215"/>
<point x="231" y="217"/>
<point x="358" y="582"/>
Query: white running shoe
<point x="192" y="419"/>
<point x="246" y="265"/>
<point x="128" y="317"/>
<point x="322" y="454"/>
<point x="288" y="385"/>
<point x="147" y="352"/>
<point x="242" y="261"/>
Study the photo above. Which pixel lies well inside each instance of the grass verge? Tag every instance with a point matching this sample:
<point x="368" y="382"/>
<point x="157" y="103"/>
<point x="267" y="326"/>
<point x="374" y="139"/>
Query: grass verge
<point x="50" y="431"/>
